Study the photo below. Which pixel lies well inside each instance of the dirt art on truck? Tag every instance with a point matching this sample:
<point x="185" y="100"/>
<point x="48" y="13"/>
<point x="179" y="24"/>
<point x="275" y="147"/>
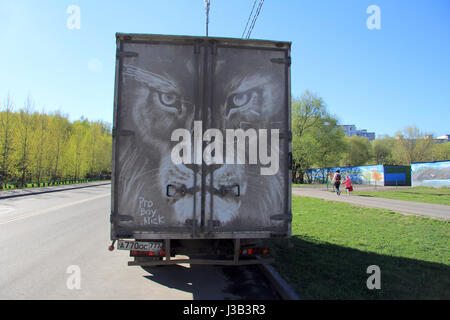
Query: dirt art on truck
<point x="200" y="138"/>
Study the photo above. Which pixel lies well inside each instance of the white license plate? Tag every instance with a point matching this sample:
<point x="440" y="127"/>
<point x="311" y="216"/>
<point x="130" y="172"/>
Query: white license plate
<point x="139" y="245"/>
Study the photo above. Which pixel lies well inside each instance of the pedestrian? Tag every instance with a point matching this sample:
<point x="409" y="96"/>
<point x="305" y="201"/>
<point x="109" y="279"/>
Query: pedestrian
<point x="348" y="185"/>
<point x="337" y="182"/>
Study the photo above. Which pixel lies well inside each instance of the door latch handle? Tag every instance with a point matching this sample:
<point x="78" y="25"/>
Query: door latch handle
<point x="169" y="186"/>
<point x="224" y="190"/>
<point x="182" y="190"/>
<point x="238" y="190"/>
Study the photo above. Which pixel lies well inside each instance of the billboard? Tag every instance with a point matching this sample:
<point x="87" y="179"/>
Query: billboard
<point x="431" y="174"/>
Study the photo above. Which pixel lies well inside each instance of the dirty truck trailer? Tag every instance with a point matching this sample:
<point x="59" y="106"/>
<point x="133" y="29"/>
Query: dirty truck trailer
<point x="201" y="149"/>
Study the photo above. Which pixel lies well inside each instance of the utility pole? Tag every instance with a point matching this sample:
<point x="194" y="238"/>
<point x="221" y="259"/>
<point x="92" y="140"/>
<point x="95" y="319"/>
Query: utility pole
<point x="207" y="3"/>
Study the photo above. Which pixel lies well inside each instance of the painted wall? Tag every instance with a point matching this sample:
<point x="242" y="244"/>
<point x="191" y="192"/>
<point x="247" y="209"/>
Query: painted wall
<point x="359" y="175"/>
<point x="431" y="174"/>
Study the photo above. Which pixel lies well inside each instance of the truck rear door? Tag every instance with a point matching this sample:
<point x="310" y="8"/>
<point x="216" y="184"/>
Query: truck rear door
<point x="180" y="104"/>
<point x="247" y="99"/>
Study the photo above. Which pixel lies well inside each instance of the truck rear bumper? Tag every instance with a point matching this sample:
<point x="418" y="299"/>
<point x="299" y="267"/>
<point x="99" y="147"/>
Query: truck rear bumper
<point x="224" y="262"/>
<point x="235" y="259"/>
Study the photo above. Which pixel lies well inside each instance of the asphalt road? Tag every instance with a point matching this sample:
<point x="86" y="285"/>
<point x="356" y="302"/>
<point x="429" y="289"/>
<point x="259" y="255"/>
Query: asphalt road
<point x="407" y="207"/>
<point x="47" y="240"/>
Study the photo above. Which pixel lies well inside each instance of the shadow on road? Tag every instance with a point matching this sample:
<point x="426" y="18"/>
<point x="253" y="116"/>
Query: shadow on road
<point x="214" y="282"/>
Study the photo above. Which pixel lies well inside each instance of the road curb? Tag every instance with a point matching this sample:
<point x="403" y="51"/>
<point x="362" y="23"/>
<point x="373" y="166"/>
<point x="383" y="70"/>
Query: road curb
<point x="282" y="287"/>
<point x="49" y="191"/>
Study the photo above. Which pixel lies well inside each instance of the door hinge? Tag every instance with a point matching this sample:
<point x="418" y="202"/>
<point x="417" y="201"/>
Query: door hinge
<point x="283" y="216"/>
<point x="122" y="133"/>
<point x="282" y="60"/>
<point x="123" y="54"/>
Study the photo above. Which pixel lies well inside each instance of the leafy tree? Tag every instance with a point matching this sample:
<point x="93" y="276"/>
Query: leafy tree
<point x="382" y="150"/>
<point x="440" y="152"/>
<point x="24" y="133"/>
<point x="7" y="124"/>
<point x="331" y="142"/>
<point x="412" y="146"/>
<point x="359" y="151"/>
<point x="40" y="158"/>
<point x="317" y="140"/>
<point x="39" y="147"/>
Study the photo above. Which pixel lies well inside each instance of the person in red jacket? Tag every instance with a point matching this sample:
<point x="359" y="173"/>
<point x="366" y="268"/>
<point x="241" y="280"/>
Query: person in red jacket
<point x="348" y="185"/>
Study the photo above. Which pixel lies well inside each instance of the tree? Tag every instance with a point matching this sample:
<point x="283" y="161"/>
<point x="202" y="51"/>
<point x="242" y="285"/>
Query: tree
<point x="24" y="140"/>
<point x="412" y="146"/>
<point x="440" y="152"/>
<point x="41" y="145"/>
<point x="6" y="121"/>
<point x="330" y="142"/>
<point x="316" y="138"/>
<point x="59" y="129"/>
<point x="37" y="147"/>
<point x="382" y="150"/>
<point x="359" y="151"/>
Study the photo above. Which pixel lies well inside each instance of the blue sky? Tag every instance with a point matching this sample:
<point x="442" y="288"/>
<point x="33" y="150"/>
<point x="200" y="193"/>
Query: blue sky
<point x="381" y="80"/>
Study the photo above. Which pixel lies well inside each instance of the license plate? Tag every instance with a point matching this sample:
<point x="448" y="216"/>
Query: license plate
<point x="139" y="245"/>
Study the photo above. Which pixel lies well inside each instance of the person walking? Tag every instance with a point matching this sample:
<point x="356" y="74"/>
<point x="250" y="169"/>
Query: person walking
<point x="337" y="181"/>
<point x="348" y="185"/>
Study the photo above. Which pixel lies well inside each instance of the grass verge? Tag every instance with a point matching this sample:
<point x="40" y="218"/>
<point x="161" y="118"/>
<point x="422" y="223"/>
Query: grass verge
<point x="9" y="186"/>
<point x="417" y="194"/>
<point x="334" y="243"/>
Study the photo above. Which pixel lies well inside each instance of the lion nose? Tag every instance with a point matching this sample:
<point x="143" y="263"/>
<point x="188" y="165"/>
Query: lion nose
<point x="208" y="168"/>
<point x="192" y="166"/>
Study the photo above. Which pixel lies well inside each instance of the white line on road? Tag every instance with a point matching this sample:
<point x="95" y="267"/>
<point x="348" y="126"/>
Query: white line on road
<point x="35" y="213"/>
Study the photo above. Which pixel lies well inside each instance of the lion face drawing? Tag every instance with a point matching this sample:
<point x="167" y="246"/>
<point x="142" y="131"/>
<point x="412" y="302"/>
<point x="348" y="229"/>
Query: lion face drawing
<point x="162" y="90"/>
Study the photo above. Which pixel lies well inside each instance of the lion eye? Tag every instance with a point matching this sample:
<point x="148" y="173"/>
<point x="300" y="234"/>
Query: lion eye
<point x="241" y="99"/>
<point x="168" y="99"/>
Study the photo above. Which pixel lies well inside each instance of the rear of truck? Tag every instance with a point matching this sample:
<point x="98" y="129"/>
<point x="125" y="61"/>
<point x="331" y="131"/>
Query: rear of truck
<point x="201" y="149"/>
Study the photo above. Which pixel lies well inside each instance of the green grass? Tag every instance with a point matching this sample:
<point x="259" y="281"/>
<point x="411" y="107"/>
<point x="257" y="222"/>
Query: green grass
<point x="334" y="243"/>
<point x="417" y="194"/>
<point x="10" y="186"/>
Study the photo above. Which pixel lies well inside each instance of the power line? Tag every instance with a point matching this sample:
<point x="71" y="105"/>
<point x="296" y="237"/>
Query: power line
<point x="251" y="12"/>
<point x="261" y="2"/>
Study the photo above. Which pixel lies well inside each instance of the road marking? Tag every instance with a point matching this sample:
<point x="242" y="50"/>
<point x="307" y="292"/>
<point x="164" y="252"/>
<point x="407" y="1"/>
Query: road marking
<point x="35" y="213"/>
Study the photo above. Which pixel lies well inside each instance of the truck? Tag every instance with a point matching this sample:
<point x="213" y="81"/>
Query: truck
<point x="202" y="155"/>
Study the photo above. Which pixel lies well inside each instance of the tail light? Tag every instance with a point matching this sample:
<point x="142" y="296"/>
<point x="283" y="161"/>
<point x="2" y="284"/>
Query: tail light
<point x="136" y="253"/>
<point x="254" y="251"/>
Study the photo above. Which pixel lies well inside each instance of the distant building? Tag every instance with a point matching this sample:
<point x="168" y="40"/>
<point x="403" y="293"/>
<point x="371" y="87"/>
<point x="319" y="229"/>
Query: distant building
<point x="442" y="139"/>
<point x="351" y="130"/>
